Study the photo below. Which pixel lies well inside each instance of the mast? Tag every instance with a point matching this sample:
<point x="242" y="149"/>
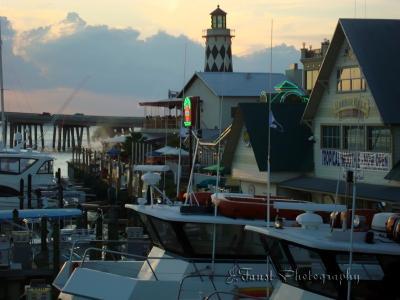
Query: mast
<point x="3" y="117"/>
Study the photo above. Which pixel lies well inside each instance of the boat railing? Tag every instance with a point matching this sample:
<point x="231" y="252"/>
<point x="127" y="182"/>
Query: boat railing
<point x="140" y="257"/>
<point x="210" y="276"/>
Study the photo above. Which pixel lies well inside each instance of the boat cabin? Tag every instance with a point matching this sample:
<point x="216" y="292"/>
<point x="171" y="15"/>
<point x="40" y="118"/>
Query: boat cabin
<point x="191" y="235"/>
<point x="314" y="263"/>
<point x="18" y="164"/>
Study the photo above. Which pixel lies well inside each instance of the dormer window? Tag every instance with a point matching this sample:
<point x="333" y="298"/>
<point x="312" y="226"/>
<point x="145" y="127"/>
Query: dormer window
<point x="350" y="79"/>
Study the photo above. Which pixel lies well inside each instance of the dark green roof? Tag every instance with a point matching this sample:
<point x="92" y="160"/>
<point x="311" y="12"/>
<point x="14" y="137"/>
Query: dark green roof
<point x="375" y="44"/>
<point x="394" y="173"/>
<point x="291" y="151"/>
<point x="286" y="86"/>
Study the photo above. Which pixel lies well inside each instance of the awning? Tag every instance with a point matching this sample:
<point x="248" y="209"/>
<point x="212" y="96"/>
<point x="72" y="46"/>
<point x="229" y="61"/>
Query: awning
<point x="394" y="173"/>
<point x="365" y="191"/>
<point x="169" y="103"/>
<point x="214" y="168"/>
<point x="167" y="150"/>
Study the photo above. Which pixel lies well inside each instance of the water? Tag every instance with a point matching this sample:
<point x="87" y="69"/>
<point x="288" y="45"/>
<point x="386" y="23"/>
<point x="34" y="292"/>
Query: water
<point x="61" y="158"/>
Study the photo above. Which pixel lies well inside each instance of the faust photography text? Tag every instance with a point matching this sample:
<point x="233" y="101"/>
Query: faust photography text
<point x="241" y="274"/>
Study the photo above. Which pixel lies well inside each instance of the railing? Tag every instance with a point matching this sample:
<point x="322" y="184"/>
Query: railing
<point x="118" y="253"/>
<point x="162" y="122"/>
<point x="192" y="261"/>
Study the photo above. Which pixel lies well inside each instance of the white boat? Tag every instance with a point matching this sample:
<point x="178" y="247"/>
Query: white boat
<point x="312" y="261"/>
<point x="17" y="164"/>
<point x="179" y="265"/>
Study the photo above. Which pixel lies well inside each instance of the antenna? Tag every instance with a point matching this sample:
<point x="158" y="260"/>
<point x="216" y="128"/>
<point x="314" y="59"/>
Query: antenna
<point x="355" y="8"/>
<point x="365" y="9"/>
<point x="3" y="117"/>
<point x="180" y="127"/>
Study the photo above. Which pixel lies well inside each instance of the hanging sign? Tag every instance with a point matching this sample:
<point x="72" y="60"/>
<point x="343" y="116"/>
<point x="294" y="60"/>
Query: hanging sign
<point x="360" y="160"/>
<point x="187" y="112"/>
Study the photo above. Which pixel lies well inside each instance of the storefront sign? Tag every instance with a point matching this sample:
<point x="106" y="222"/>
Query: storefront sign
<point x="354" y="107"/>
<point x="362" y="160"/>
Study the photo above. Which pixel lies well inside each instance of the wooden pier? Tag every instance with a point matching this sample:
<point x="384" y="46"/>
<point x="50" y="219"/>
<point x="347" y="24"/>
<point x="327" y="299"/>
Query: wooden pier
<point x="68" y="130"/>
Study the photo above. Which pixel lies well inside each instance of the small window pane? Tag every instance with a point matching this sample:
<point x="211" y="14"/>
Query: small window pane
<point x="9" y="165"/>
<point x="353" y="138"/>
<point x="46" y="168"/>
<point x="346" y="85"/>
<point x="379" y="139"/>
<point x="330" y="137"/>
<point x="366" y="266"/>
<point x="26" y="163"/>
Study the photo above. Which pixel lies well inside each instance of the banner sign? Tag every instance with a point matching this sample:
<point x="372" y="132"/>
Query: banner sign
<point x="362" y="160"/>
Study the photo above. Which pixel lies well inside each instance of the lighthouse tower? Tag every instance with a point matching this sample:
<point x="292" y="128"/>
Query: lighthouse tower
<point x="218" y="44"/>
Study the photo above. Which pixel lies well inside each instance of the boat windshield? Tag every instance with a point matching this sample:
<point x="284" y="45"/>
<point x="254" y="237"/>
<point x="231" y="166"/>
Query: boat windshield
<point x="195" y="239"/>
<point x="326" y="272"/>
<point x="46" y="167"/>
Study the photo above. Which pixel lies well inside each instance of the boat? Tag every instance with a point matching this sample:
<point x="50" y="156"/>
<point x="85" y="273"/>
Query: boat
<point x="312" y="260"/>
<point x="17" y="164"/>
<point x="186" y="260"/>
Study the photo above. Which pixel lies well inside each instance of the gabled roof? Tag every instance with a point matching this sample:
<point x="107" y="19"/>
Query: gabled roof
<point x="375" y="44"/>
<point x="237" y="84"/>
<point x="290" y="148"/>
<point x="218" y="12"/>
<point x="394" y="173"/>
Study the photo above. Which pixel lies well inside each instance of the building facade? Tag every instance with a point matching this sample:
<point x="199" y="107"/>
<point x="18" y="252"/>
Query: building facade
<point x="312" y="60"/>
<point x="353" y="113"/>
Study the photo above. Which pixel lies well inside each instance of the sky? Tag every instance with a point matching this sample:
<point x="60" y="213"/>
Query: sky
<point x="125" y="51"/>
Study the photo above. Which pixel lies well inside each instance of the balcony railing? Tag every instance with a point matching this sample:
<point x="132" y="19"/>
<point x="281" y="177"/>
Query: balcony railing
<point x="158" y="122"/>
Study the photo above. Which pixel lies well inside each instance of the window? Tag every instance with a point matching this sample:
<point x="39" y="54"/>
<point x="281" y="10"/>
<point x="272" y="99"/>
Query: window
<point x="213" y="21"/>
<point x="149" y="229"/>
<point x="26" y="163"/>
<point x="9" y="165"/>
<point x="330" y="137"/>
<point x="379" y="139"/>
<point x="354" y="138"/>
<point x="365" y="266"/>
<point x="231" y="240"/>
<point x="350" y="79"/>
<point x="311" y="77"/>
<point x="311" y="271"/>
<point x="220" y="22"/>
<point x="167" y="235"/>
<point x="46" y="168"/>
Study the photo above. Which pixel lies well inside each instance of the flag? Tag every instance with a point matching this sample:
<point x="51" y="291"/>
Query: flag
<point x="273" y="123"/>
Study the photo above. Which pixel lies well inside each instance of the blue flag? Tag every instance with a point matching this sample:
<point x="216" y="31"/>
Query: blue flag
<point x="273" y="123"/>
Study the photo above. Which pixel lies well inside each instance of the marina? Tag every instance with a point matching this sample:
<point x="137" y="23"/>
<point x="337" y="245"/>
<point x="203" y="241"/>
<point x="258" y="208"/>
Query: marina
<point x="238" y="185"/>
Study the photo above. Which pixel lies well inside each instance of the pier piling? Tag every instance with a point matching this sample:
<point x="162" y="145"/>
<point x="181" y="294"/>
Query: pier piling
<point x="21" y="193"/>
<point x="29" y="192"/>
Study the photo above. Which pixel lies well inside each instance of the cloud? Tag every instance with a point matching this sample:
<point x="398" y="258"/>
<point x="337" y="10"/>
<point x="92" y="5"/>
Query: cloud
<point x="120" y="65"/>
